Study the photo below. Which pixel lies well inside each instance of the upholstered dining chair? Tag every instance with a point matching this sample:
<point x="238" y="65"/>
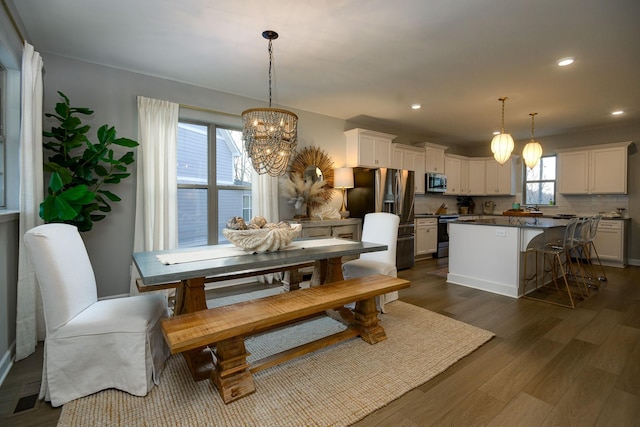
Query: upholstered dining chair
<point x="91" y="345"/>
<point x="381" y="228"/>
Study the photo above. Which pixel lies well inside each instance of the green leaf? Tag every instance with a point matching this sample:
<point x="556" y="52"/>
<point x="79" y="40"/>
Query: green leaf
<point x="63" y="210"/>
<point x="110" y="195"/>
<point x="125" y="142"/>
<point x="77" y="193"/>
<point x="101" y="170"/>
<point x="55" y="182"/>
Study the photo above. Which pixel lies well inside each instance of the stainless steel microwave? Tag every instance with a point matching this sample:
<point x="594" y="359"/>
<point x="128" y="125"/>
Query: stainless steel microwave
<point x="436" y="183"/>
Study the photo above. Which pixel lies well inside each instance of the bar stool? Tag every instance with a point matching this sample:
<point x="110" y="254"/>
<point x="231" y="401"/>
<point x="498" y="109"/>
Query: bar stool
<point x="556" y="268"/>
<point x="589" y="250"/>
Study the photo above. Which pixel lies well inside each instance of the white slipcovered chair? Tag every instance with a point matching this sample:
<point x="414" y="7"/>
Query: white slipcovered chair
<point x="381" y="228"/>
<point x="91" y="345"/>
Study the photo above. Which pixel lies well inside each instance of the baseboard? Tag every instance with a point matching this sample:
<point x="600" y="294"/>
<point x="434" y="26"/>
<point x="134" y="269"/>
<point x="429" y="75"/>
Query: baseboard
<point x="7" y="362"/>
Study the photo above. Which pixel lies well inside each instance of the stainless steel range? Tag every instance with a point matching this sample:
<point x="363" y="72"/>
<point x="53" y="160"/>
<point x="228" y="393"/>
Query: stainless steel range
<point x="443" y="234"/>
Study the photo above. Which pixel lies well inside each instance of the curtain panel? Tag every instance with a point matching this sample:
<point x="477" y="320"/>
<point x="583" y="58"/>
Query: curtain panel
<point x="29" y="315"/>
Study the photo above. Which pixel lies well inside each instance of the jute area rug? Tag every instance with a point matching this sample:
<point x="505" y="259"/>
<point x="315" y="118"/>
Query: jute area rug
<point x="335" y="386"/>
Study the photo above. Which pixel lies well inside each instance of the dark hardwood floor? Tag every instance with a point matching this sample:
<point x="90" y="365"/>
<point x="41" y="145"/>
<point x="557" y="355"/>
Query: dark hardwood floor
<point x="547" y="365"/>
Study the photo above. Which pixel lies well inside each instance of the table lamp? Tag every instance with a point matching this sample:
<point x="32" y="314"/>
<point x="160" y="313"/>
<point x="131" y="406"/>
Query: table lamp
<point x="343" y="179"/>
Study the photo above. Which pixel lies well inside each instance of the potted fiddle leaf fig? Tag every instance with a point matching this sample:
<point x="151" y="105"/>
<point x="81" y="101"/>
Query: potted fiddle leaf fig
<point x="77" y="193"/>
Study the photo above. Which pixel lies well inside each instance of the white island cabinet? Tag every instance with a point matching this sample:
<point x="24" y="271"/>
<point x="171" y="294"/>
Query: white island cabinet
<point x="488" y="254"/>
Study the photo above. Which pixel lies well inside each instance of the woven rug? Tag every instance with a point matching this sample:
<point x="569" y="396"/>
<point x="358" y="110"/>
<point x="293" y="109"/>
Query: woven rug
<point x="335" y="386"/>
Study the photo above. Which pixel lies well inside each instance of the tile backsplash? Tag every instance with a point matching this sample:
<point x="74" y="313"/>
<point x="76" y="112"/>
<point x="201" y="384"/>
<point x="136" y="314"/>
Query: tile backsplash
<point x="578" y="204"/>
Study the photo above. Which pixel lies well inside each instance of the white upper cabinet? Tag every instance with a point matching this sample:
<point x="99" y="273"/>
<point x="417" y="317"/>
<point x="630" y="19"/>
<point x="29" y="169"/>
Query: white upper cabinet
<point x="601" y="169"/>
<point x="500" y="180"/>
<point x="410" y="158"/>
<point x="368" y="148"/>
<point x="476" y="177"/>
<point x="434" y="158"/>
<point x="453" y="168"/>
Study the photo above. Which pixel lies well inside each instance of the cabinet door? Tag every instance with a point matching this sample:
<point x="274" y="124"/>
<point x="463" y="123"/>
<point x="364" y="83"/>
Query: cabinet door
<point x="398" y="157"/>
<point x="452" y="168"/>
<point x="506" y="178"/>
<point x="500" y="179"/>
<point x="316" y="231"/>
<point x="573" y="172"/>
<point x="476" y="178"/>
<point x="420" y="173"/>
<point x="426" y="239"/>
<point x="366" y="151"/>
<point x="345" y="232"/>
<point x="434" y="161"/>
<point x="608" y="171"/>
<point x="609" y="241"/>
<point x="382" y="152"/>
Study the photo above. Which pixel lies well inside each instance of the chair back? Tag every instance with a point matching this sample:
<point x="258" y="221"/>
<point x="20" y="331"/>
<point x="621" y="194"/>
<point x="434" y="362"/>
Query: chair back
<point x="595" y="221"/>
<point x="570" y="233"/>
<point x="64" y="272"/>
<point x="381" y="228"/>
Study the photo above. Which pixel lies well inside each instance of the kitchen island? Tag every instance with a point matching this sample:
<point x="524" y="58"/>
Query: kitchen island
<point x="488" y="254"/>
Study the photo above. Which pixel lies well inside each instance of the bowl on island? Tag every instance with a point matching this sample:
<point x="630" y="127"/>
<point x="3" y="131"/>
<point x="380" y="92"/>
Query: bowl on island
<point x="262" y="239"/>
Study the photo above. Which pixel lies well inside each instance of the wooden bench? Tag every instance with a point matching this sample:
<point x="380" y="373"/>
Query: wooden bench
<point x="227" y="326"/>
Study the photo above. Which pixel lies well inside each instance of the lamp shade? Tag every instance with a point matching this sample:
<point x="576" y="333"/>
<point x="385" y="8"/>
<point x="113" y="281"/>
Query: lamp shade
<point x="343" y="178"/>
<point x="501" y="147"/>
<point x="531" y="153"/>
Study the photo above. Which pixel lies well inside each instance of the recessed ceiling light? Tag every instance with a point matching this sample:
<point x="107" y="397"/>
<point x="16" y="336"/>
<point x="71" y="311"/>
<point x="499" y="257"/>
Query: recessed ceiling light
<point x="496" y="132"/>
<point x="565" y="61"/>
<point x="617" y="113"/>
<point x="416" y="106"/>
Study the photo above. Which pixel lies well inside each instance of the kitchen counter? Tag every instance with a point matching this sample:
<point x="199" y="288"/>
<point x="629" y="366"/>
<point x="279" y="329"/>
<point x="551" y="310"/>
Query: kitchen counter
<point x="488" y="253"/>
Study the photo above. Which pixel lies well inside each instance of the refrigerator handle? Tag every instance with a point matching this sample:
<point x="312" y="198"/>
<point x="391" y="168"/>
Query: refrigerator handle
<point x="398" y="195"/>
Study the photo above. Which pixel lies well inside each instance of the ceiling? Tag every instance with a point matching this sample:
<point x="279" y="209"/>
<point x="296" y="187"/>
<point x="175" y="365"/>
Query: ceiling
<point x="371" y="59"/>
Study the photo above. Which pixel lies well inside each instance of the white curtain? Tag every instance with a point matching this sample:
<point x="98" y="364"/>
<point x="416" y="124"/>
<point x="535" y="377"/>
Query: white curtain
<point x="264" y="202"/>
<point x="29" y="313"/>
<point x="156" y="225"/>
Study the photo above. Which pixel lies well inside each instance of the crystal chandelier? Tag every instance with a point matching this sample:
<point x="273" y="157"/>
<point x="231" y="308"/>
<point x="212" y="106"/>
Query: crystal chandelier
<point x="533" y="150"/>
<point x="502" y="144"/>
<point x="270" y="134"/>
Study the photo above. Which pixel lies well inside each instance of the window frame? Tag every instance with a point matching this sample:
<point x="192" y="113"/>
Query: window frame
<point x="525" y="181"/>
<point x="212" y="187"/>
<point x="3" y="138"/>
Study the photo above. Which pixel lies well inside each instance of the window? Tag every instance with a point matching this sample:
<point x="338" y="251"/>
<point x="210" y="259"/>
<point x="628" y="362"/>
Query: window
<point x="540" y="182"/>
<point x="213" y="185"/>
<point x="3" y="201"/>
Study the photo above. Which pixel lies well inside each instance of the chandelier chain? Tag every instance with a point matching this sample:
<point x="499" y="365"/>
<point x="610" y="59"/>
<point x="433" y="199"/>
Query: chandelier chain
<point x="532" y="116"/>
<point x="270" y="66"/>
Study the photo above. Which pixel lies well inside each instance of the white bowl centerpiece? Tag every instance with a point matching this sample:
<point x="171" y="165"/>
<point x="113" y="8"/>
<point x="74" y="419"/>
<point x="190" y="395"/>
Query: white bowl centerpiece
<point x="260" y="235"/>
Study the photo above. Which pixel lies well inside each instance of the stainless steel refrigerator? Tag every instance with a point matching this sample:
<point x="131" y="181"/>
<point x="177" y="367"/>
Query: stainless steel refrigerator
<point x="387" y="190"/>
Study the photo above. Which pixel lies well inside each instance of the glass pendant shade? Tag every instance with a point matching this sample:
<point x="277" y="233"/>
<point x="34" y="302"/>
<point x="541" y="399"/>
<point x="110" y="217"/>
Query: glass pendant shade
<point x="532" y="153"/>
<point x="501" y="147"/>
<point x="502" y="144"/>
<point x="270" y="135"/>
<point x="533" y="150"/>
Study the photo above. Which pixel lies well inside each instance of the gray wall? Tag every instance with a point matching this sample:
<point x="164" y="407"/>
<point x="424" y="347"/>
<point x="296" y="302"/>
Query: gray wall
<point x="112" y="94"/>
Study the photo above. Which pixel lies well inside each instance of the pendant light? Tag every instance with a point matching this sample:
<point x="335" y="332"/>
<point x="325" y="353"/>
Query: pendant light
<point x="502" y="144"/>
<point x="533" y="150"/>
<point x="270" y="135"/>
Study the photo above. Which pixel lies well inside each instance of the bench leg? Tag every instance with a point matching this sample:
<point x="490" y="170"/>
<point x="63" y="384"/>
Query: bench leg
<point x="230" y="373"/>
<point x="366" y="321"/>
<point x="200" y="362"/>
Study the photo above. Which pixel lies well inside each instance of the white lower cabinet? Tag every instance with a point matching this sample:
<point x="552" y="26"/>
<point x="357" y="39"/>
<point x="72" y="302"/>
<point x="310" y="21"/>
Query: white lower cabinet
<point x="610" y="242"/>
<point x="426" y="236"/>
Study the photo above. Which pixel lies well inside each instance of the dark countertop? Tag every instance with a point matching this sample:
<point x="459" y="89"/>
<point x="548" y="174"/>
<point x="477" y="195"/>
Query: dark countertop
<point x="519" y="222"/>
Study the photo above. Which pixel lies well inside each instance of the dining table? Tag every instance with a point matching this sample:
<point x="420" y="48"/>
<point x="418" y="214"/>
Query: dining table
<point x="189" y="269"/>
